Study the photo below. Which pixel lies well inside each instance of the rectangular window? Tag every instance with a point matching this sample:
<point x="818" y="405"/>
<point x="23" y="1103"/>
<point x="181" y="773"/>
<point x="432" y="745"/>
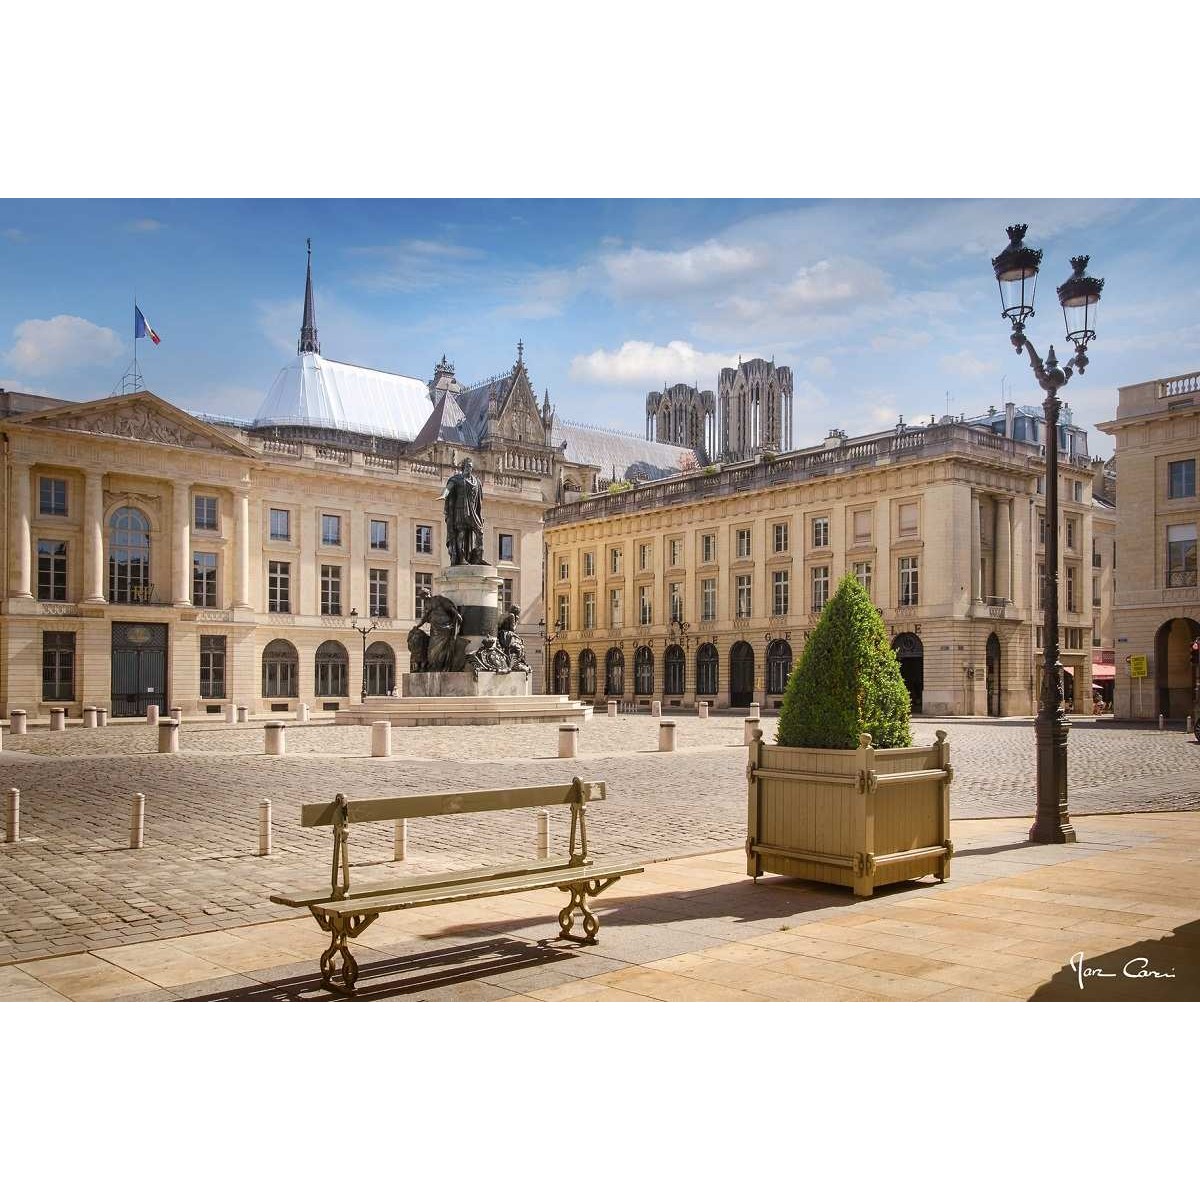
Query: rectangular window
<point x="564" y="612"/>
<point x="910" y="591"/>
<point x="204" y="580"/>
<point x="1181" y="479"/>
<point x="645" y="557"/>
<point x="1073" y="638"/>
<point x="1096" y="632"/>
<point x="820" y="588"/>
<point x="205" y="508"/>
<point x="58" y="666"/>
<point x="708" y="547"/>
<point x="862" y="572"/>
<point x="743" y="543"/>
<point x="1097" y="561"/>
<point x="1181" y="556"/>
<point x="614" y="609"/>
<point x="52" y="570"/>
<point x="1039" y="636"/>
<point x="1072" y="590"/>
<point x="379" y="535"/>
<point x="506" y="591"/>
<point x="907" y="519"/>
<point x="422" y="583"/>
<point x="676" y="552"/>
<point x="377" y="592"/>
<point x="281" y="525"/>
<point x="1070" y="535"/>
<point x="614" y="561"/>
<point x="212" y="667"/>
<point x="563" y="569"/>
<point x="1041" y="529"/>
<point x="52" y="497"/>
<point x="708" y="599"/>
<point x="279" y="587"/>
<point x="331" y="591"/>
<point x="780" y="598"/>
<point x="742" y="586"/>
<point x="675" y="600"/>
<point x="820" y="532"/>
<point x="645" y="607"/>
<point x="1095" y="593"/>
<point x="505" y="552"/>
<point x="424" y="539"/>
<point x="589" y="610"/>
<point x="331" y="530"/>
<point x="1077" y="491"/>
<point x="781" y="538"/>
<point x="589" y="564"/>
<point x="862" y="527"/>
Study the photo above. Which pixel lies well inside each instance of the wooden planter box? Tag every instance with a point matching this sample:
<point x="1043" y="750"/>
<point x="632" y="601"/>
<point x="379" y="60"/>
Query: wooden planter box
<point x="862" y="818"/>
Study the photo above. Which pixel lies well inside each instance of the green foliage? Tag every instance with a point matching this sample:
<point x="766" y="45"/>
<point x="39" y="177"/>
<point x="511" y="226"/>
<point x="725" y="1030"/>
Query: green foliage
<point x="619" y="485"/>
<point x="847" y="681"/>
<point x="711" y="469"/>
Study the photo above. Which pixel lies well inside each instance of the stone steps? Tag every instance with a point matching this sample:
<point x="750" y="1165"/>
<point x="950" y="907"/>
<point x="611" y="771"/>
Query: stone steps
<point x="464" y="710"/>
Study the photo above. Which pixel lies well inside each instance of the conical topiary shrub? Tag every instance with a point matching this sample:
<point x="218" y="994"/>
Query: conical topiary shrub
<point x="847" y="681"/>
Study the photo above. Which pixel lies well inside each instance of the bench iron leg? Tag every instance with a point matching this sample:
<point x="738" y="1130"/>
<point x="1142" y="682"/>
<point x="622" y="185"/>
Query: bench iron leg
<point x="580" y="894"/>
<point x="341" y="929"/>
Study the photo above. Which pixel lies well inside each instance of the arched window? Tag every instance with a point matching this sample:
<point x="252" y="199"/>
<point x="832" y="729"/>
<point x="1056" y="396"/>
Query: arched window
<point x="562" y="673"/>
<point x="614" y="673"/>
<point x="129" y="557"/>
<point x="707" y="670"/>
<point x="779" y="666"/>
<point x="280" y="669"/>
<point x="643" y="671"/>
<point x="587" y="673"/>
<point x="333" y="670"/>
<point x="379" y="677"/>
<point x="673" y="668"/>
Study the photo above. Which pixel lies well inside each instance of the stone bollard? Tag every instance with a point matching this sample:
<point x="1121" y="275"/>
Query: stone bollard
<point x="89" y="717"/>
<point x="381" y="739"/>
<point x="231" y="713"/>
<point x="656" y="708"/>
<point x="568" y="741"/>
<point x="1161" y="721"/>
<point x="17" y="720"/>
<point x="101" y="718"/>
<point x="400" y="844"/>
<point x="666" y="735"/>
<point x="176" y="714"/>
<point x="756" y="711"/>
<point x="12" y="816"/>
<point x="137" y="821"/>
<point x="612" y="708"/>
<point x="273" y="742"/>
<point x="264" y="827"/>
<point x="168" y="736"/>
<point x="242" y="712"/>
<point x="151" y="714"/>
<point x="543" y="834"/>
<point x="703" y="708"/>
<point x="751" y="731"/>
<point x="1" y="737"/>
<point x="58" y="720"/>
<point x="301" y="714"/>
<point x="1189" y="725"/>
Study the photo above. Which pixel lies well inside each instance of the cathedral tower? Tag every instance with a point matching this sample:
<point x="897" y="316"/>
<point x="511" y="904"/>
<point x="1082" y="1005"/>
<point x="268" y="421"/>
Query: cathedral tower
<point x="756" y="408"/>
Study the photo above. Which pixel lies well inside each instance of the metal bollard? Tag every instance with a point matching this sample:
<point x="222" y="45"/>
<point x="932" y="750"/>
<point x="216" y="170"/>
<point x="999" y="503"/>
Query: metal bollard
<point x="656" y="708"/>
<point x="17" y="720"/>
<point x="168" y="736"/>
<point x="264" y="827"/>
<point x="568" y="741"/>
<point x="151" y="714"/>
<point x="231" y="713"/>
<point x="58" y="720"/>
<point x="543" y="834"/>
<point x="703" y="708"/>
<point x="301" y="714"/>
<point x="751" y="731"/>
<point x="101" y="717"/>
<point x="89" y="717"/>
<point x="381" y="739"/>
<point x="12" y="816"/>
<point x="401" y="840"/>
<point x="666" y="735"/>
<point x="273" y="740"/>
<point x="242" y="711"/>
<point x="612" y="708"/>
<point x="137" y="821"/>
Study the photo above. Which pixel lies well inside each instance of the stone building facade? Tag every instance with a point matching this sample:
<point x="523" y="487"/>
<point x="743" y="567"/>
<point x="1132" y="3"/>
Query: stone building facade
<point x="1157" y="613"/>
<point x="706" y="586"/>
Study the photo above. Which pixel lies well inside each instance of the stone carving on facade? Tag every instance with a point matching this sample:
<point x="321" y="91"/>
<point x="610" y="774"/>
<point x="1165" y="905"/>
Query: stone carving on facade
<point x="489" y="657"/>
<point x="138" y="422"/>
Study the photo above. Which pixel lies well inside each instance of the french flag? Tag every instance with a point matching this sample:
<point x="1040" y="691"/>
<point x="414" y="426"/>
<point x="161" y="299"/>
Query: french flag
<point x="142" y="328"/>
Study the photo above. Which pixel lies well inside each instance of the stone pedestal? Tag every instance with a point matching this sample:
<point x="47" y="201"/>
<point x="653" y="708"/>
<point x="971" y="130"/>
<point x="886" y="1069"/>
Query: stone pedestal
<point x="475" y="591"/>
<point x="464" y="683"/>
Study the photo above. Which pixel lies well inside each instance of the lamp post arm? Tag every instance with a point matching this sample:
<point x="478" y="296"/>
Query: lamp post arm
<point x="1049" y="374"/>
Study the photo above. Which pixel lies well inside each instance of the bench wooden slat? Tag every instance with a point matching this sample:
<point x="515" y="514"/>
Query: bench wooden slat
<point x="396" y="808"/>
<point x="420" y="897"/>
<point x="480" y="874"/>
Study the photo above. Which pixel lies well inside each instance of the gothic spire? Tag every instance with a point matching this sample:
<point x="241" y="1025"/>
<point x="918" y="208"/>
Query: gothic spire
<point x="308" y="329"/>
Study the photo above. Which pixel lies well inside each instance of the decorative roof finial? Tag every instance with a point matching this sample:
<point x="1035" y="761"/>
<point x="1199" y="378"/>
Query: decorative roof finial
<point x="308" y="327"/>
<point x="520" y="353"/>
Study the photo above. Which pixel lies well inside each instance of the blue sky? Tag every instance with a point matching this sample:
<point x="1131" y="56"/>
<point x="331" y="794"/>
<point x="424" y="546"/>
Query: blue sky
<point x="881" y="308"/>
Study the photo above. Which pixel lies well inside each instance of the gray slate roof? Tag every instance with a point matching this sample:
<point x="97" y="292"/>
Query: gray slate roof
<point x="614" y="451"/>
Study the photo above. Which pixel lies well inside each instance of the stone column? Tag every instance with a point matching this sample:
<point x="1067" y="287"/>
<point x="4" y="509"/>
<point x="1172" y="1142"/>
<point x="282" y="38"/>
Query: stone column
<point x="93" y="538"/>
<point x="976" y="549"/>
<point x="182" y="532"/>
<point x="241" y="550"/>
<point x="1003" y="568"/>
<point x="22" y="576"/>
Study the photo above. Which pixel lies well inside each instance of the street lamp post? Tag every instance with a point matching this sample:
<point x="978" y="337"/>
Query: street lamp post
<point x="548" y="639"/>
<point x="366" y="631"/>
<point x="1016" y="269"/>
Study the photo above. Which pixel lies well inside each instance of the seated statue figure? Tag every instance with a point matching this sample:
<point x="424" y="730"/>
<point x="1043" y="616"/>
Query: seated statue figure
<point x="418" y="650"/>
<point x="510" y="641"/>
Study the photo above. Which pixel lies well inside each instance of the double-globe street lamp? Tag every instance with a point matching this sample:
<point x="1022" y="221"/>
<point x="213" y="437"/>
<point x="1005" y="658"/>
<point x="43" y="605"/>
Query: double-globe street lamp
<point x="548" y="639"/>
<point x="1016" y="269"/>
<point x="366" y="631"/>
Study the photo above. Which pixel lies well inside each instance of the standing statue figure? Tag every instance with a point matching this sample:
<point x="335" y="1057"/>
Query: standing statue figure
<point x="510" y="641"/>
<point x="463" y="495"/>
<point x="447" y="651"/>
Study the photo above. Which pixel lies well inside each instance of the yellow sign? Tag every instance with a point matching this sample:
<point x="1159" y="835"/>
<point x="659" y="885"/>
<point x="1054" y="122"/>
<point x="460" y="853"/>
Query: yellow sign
<point x="1137" y="666"/>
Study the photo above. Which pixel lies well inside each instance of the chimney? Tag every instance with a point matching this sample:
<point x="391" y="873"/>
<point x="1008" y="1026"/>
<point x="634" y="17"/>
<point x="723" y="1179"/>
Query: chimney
<point x="1010" y="413"/>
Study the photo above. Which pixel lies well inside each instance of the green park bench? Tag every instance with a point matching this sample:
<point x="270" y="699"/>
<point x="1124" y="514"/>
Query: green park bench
<point x="344" y="912"/>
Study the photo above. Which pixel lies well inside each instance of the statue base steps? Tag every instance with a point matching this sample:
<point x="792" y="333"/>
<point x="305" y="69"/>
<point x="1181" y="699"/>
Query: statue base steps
<point x="463" y="710"/>
<point x="433" y="684"/>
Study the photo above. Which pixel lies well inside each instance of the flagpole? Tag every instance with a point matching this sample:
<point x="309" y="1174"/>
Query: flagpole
<point x="135" y="338"/>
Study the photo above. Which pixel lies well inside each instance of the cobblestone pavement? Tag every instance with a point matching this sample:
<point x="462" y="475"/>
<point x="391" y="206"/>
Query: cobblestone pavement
<point x="72" y="883"/>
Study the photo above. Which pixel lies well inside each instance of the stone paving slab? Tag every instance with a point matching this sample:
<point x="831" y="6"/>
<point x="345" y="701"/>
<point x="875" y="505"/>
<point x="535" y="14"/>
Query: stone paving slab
<point x="72" y="883"/>
<point x="1003" y="928"/>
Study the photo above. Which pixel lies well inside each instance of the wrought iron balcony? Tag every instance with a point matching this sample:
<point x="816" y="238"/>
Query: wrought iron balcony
<point x="1181" y="579"/>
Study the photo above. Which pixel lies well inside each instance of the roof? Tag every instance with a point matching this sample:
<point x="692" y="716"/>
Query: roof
<point x="320" y="392"/>
<point x="445" y="424"/>
<point x="616" y="452"/>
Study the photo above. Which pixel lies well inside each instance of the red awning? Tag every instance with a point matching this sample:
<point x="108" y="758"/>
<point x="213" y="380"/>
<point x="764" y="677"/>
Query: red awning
<point x="1103" y="671"/>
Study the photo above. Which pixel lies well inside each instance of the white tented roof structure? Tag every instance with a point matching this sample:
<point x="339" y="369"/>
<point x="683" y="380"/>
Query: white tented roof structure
<point x="326" y="394"/>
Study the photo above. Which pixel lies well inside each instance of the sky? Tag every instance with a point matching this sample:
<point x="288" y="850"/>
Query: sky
<point x="881" y="308"/>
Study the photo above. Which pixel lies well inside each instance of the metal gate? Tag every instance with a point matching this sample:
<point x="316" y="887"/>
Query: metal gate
<point x="741" y="675"/>
<point x="139" y="668"/>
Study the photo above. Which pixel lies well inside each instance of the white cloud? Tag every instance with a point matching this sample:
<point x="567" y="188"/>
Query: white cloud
<point x="648" y="364"/>
<point x="821" y="365"/>
<point x="642" y="272"/>
<point x="965" y="363"/>
<point x="829" y="284"/>
<point x="61" y="344"/>
<point x="144" y="225"/>
<point x="542" y="294"/>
